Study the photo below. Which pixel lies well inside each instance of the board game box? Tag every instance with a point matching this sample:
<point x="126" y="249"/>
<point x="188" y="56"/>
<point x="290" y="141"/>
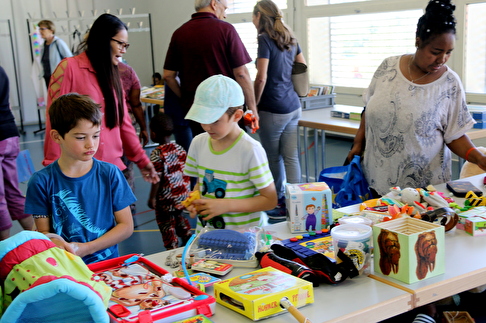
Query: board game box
<point x="309" y="206"/>
<point x="311" y="243"/>
<point x="144" y="292"/>
<point x="257" y="294"/>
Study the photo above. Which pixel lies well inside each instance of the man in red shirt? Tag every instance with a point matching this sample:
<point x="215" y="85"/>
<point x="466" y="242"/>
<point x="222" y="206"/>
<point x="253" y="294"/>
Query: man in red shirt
<point x="205" y="46"/>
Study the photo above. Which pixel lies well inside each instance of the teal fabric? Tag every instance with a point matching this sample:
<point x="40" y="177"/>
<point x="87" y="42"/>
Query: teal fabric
<point x="58" y="301"/>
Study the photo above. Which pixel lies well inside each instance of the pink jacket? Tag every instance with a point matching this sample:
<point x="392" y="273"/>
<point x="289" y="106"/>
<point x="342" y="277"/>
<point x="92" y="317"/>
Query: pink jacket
<point x="77" y="75"/>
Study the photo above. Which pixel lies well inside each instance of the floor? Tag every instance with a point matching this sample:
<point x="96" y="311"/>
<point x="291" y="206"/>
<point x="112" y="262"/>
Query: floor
<point x="147" y="239"/>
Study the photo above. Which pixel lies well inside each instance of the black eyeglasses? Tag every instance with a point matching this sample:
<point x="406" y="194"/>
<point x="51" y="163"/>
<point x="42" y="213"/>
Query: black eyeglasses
<point x="121" y="44"/>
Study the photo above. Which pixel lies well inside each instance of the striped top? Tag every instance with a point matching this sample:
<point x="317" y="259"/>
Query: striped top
<point x="235" y="173"/>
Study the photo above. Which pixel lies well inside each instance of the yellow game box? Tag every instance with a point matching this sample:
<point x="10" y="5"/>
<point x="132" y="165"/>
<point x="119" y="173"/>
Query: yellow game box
<point x="257" y="294"/>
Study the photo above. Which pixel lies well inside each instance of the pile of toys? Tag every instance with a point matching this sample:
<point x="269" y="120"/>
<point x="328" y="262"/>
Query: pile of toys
<point x="425" y="204"/>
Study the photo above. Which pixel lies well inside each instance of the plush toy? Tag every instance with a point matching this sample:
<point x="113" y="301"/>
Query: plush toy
<point x="470" y="169"/>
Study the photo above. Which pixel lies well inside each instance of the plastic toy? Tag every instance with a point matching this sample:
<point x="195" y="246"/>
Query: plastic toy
<point x="269" y="259"/>
<point x="250" y="121"/>
<point x="228" y="244"/>
<point x="194" y="195"/>
<point x="327" y="271"/>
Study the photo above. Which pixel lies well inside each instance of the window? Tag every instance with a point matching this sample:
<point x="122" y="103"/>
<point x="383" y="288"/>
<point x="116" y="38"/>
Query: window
<point x="248" y="35"/>
<point x="241" y="6"/>
<point x="346" y="50"/>
<point x="321" y="2"/>
<point x="475" y="51"/>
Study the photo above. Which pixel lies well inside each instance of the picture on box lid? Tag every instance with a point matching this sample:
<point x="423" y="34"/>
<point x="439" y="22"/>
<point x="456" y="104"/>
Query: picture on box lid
<point x="138" y="289"/>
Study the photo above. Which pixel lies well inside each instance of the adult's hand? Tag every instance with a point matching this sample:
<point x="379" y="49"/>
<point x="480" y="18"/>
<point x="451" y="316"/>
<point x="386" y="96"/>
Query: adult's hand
<point x="149" y="174"/>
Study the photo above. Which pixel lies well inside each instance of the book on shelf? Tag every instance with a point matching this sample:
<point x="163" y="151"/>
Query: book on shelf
<point x="321" y="90"/>
<point x="314" y="91"/>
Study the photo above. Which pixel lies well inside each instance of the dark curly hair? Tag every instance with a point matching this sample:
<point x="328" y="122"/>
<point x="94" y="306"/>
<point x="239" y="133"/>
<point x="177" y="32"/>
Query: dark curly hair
<point x="161" y="124"/>
<point x="437" y="20"/>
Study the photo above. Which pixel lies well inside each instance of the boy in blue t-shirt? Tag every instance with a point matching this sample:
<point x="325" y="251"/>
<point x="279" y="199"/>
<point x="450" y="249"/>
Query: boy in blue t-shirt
<point x="80" y="203"/>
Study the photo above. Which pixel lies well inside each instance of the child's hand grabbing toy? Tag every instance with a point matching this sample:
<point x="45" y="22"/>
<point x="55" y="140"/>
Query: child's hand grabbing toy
<point x="187" y="203"/>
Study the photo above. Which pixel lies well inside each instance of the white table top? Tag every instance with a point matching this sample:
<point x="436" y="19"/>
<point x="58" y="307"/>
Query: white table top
<point x="360" y="299"/>
<point x="365" y="299"/>
<point x="465" y="262"/>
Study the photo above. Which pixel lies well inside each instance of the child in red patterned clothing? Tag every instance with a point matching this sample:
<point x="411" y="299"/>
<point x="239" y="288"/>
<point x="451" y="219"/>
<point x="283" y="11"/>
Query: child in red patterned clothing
<point x="173" y="188"/>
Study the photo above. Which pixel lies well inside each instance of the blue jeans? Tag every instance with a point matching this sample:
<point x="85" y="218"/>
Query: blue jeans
<point x="278" y="135"/>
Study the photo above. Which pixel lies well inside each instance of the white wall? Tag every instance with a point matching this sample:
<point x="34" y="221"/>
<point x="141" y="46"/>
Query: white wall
<point x="166" y="16"/>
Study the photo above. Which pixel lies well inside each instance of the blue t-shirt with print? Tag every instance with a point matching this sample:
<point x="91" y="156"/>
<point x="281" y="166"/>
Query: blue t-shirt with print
<point x="81" y="209"/>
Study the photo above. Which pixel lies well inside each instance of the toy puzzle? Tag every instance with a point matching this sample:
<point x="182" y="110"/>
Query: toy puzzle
<point x="311" y="243"/>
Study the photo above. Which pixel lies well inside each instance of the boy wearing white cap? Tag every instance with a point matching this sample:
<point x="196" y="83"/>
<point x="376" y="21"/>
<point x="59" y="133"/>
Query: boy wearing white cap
<point x="234" y="179"/>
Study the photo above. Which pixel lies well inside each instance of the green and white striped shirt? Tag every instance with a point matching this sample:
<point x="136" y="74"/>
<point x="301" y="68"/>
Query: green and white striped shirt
<point x="235" y="173"/>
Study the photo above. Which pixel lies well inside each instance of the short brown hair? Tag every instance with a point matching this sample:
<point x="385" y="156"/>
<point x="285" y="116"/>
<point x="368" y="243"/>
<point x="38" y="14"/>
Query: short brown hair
<point x="232" y="110"/>
<point x="49" y="24"/>
<point x="68" y="109"/>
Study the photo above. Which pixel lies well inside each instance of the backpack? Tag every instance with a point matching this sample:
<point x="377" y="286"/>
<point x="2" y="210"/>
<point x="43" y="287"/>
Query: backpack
<point x="42" y="283"/>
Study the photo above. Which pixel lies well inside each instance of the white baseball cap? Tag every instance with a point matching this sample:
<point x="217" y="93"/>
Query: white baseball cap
<point x="214" y="96"/>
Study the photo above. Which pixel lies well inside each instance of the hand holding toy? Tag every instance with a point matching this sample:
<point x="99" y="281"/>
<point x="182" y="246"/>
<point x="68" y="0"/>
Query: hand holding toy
<point x="250" y="121"/>
<point x="194" y="195"/>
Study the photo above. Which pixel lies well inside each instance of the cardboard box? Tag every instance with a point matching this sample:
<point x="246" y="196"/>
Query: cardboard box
<point x="340" y="114"/>
<point x="475" y="225"/>
<point x="409" y="249"/>
<point x="473" y="212"/>
<point x="309" y="206"/>
<point x="257" y="294"/>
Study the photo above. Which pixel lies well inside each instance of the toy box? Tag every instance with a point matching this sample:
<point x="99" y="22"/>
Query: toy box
<point x="478" y="211"/>
<point x="475" y="225"/>
<point x="143" y="292"/>
<point x="409" y="249"/>
<point x="257" y="294"/>
<point x="309" y="206"/>
<point x="228" y="246"/>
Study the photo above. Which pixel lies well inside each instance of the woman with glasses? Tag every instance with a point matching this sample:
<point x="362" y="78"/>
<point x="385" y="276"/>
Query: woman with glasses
<point x="53" y="50"/>
<point x="94" y="72"/>
<point x="278" y="104"/>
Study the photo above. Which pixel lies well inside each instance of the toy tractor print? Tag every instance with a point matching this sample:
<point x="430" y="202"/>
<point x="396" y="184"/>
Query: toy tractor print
<point x="211" y="184"/>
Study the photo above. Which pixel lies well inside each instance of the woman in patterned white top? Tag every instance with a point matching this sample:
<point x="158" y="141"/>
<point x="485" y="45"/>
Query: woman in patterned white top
<point x="416" y="111"/>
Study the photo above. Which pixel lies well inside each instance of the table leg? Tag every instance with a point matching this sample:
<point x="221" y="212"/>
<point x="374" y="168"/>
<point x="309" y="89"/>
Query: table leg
<point x="316" y="150"/>
<point x="306" y="161"/>
<point x="148" y="116"/>
<point x="323" y="153"/>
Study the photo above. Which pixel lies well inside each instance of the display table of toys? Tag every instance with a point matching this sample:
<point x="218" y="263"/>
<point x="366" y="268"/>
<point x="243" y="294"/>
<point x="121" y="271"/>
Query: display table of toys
<point x="377" y="260"/>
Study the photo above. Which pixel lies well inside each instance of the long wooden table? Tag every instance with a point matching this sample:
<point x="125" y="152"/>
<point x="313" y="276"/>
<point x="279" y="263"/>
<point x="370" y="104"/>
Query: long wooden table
<point x="321" y="119"/>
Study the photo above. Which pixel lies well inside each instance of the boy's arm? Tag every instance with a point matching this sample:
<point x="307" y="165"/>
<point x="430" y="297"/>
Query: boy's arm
<point x="43" y="225"/>
<point x="121" y="231"/>
<point x="210" y="208"/>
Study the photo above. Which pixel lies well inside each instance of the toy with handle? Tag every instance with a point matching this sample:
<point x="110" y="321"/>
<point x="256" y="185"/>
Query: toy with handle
<point x="285" y="303"/>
